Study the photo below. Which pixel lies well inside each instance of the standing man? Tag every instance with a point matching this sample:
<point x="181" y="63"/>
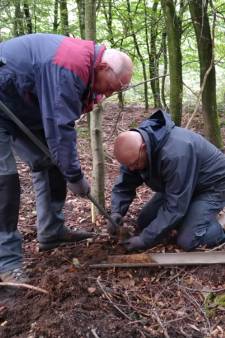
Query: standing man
<point x="47" y="81"/>
<point x="188" y="174"/>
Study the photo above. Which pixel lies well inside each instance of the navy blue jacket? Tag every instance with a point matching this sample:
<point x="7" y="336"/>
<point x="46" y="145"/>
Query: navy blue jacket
<point x="46" y="83"/>
<point x="181" y="164"/>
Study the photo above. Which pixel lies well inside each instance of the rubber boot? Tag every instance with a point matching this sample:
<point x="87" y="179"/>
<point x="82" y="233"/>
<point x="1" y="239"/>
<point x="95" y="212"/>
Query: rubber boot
<point x="10" y="238"/>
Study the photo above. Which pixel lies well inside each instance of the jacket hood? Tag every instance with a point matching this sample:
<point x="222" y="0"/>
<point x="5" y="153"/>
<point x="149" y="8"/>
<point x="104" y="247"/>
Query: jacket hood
<point x="155" y="131"/>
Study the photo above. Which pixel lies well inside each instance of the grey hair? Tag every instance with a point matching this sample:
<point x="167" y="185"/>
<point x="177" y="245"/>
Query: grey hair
<point x="118" y="61"/>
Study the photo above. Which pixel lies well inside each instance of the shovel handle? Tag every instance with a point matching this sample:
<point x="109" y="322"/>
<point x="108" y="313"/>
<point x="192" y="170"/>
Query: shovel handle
<point x="101" y="209"/>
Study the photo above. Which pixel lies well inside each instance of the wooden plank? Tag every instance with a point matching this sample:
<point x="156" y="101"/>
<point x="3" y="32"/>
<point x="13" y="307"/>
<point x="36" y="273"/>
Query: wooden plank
<point x="163" y="259"/>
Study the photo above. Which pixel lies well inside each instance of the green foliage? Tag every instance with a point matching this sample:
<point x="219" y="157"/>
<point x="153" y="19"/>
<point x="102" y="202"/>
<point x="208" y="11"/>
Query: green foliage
<point x="114" y="29"/>
<point x="214" y="303"/>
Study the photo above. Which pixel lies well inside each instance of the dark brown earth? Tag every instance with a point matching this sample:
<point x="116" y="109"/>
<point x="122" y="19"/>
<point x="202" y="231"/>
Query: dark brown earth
<point x="86" y="302"/>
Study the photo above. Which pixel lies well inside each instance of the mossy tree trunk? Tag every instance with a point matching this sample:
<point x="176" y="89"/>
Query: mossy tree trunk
<point x="64" y="17"/>
<point x="56" y="16"/>
<point x="152" y="51"/>
<point x="18" y="27"/>
<point x="200" y="20"/>
<point x="173" y="27"/>
<point x="81" y="15"/>
<point x="28" y="19"/>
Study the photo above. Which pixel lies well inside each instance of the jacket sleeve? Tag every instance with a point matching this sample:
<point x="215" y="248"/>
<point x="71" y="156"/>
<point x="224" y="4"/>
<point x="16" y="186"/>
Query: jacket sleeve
<point x="124" y="190"/>
<point x="180" y="176"/>
<point x="59" y="93"/>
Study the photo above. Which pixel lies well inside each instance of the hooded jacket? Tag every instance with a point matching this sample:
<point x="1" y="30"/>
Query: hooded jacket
<point x="46" y="82"/>
<point x="181" y="164"/>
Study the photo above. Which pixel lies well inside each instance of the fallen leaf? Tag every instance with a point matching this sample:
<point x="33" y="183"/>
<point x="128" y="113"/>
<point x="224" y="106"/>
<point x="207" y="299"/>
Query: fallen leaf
<point x="76" y="262"/>
<point x="91" y="290"/>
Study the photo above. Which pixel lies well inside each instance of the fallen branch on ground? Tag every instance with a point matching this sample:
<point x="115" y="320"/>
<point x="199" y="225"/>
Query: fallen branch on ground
<point x="24" y="285"/>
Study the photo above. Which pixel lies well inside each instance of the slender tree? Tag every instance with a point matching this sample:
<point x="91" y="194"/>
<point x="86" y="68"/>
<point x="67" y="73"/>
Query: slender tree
<point x="98" y="173"/>
<point x="56" y="16"/>
<point x="64" y="17"/>
<point x="152" y="50"/>
<point x="199" y="15"/>
<point x="165" y="68"/>
<point x="18" y="27"/>
<point x="81" y="15"/>
<point x="173" y="26"/>
<point x="28" y="18"/>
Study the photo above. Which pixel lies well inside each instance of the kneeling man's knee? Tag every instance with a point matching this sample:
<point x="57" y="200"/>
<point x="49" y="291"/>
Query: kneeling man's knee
<point x="187" y="242"/>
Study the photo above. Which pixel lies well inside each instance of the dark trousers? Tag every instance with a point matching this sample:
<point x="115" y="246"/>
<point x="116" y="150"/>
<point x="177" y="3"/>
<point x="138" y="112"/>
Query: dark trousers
<point x="50" y="191"/>
<point x="198" y="227"/>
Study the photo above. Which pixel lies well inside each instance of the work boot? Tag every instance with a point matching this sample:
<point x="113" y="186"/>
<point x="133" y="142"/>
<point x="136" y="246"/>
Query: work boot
<point x="17" y="275"/>
<point x="69" y="236"/>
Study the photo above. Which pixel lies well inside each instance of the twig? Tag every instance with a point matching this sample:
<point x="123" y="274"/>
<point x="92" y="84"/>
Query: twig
<point x="195" y="302"/>
<point x="24" y="285"/>
<point x="212" y="63"/>
<point x="192" y="91"/>
<point x="115" y="125"/>
<point x="216" y="247"/>
<point x="161" y="324"/>
<point x="200" y="94"/>
<point x="140" y="83"/>
<point x="109" y="299"/>
<point x="93" y="331"/>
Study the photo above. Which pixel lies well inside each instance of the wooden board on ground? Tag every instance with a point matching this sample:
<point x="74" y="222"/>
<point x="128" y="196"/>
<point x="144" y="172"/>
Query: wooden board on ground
<point x="158" y="259"/>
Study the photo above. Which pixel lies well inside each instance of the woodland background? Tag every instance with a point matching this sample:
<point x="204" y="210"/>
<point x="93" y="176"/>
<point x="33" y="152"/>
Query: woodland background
<point x="178" y="52"/>
<point x="177" y="43"/>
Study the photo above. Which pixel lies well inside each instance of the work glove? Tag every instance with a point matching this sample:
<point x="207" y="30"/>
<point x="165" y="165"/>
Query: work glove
<point x="80" y="188"/>
<point x="113" y="229"/>
<point x="134" y="243"/>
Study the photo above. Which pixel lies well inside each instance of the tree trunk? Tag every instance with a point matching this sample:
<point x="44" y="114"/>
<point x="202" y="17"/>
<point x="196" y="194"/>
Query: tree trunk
<point x="198" y="10"/>
<point x="56" y="16"/>
<point x="165" y="67"/>
<point x="153" y="58"/>
<point x="98" y="172"/>
<point x="81" y="14"/>
<point x="90" y="19"/>
<point x="175" y="59"/>
<point x="27" y="17"/>
<point x="18" y="19"/>
<point x="64" y="17"/>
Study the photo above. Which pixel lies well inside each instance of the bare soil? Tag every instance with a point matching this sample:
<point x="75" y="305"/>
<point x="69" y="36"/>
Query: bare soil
<point x="86" y="302"/>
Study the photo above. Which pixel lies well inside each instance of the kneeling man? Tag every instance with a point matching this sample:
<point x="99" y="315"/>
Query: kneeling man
<point x="188" y="175"/>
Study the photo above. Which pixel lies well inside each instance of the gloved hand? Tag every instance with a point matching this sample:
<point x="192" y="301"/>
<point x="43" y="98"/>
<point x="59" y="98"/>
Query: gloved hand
<point x="80" y="188"/>
<point x="134" y="243"/>
<point x="118" y="220"/>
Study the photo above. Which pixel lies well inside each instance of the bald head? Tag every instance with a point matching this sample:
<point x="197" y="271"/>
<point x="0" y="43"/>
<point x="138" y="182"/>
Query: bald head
<point x="112" y="73"/>
<point x="130" y="150"/>
<point x="119" y="62"/>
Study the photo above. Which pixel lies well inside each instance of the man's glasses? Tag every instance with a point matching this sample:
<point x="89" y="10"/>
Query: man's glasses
<point x="123" y="86"/>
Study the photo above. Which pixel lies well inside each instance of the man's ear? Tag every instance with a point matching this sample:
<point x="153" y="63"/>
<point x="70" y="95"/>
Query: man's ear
<point x="102" y="66"/>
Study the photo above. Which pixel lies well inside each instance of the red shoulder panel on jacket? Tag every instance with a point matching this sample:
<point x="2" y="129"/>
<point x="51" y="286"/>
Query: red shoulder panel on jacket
<point x="76" y="55"/>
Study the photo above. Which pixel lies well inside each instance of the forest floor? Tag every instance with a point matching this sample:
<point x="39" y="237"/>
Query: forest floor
<point x="124" y="303"/>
